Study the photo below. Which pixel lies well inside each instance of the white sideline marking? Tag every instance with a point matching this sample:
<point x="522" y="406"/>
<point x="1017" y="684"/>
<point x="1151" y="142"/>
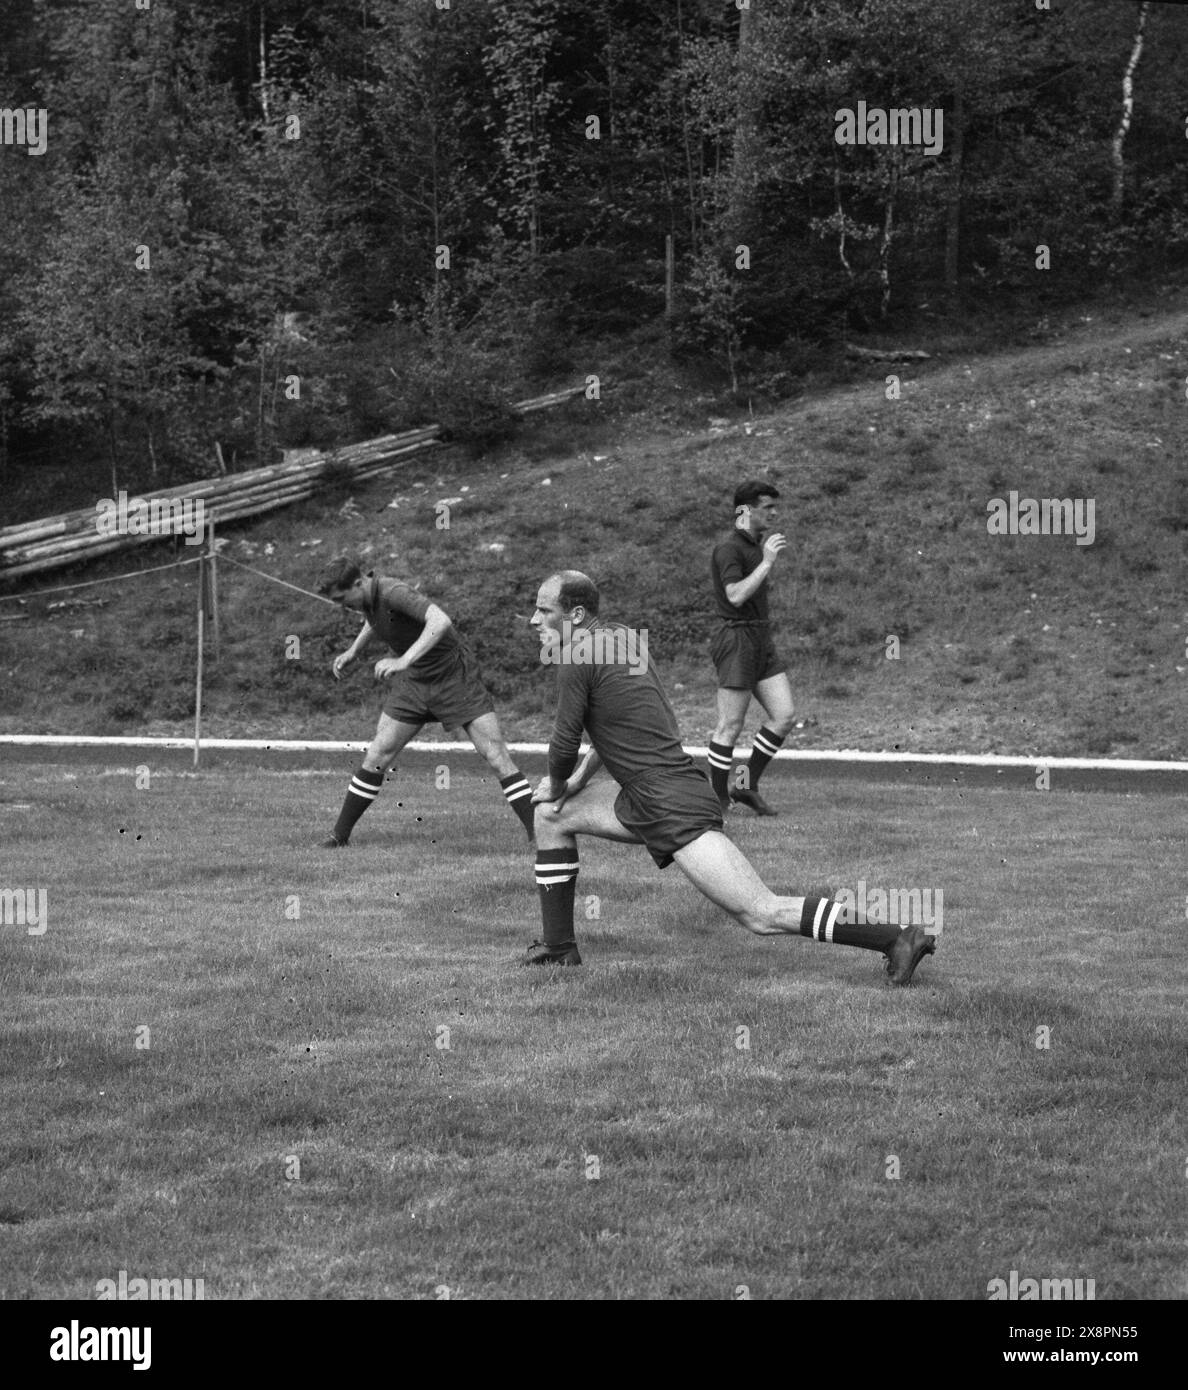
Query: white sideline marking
<point x="803" y="755"/>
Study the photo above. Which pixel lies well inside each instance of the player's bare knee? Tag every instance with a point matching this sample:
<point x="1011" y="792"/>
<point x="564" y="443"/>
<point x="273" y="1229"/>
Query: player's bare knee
<point x="550" y="827"/>
<point x="758" y="922"/>
<point x="761" y="915"/>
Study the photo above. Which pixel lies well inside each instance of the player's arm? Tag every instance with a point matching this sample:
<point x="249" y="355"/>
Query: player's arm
<point x="581" y="775"/>
<point x="741" y="589"/>
<point x="354" y="651"/>
<point x="568" y="724"/>
<point x="573" y="784"/>
<point x="437" y="624"/>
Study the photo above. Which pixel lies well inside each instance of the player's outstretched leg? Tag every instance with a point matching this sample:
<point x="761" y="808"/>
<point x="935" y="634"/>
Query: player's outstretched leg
<point x="719" y="869"/>
<point x="590" y="812"/>
<point x="390" y="737"/>
<point x="485" y="734"/>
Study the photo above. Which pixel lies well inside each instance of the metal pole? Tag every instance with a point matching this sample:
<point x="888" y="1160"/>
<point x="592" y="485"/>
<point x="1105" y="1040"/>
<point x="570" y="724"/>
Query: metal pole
<point x="214" y="588"/>
<point x="201" y="637"/>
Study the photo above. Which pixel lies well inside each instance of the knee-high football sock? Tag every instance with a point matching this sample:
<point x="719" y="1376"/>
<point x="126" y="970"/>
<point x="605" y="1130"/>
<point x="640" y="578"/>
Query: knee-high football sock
<point x="519" y="797"/>
<point x="361" y="793"/>
<point x="721" y="757"/>
<point x="556" y="881"/>
<point x="825" y="920"/>
<point x="764" y="747"/>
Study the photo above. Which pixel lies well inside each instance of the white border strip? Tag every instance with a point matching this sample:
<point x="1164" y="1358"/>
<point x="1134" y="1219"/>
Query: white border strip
<point x="802" y="755"/>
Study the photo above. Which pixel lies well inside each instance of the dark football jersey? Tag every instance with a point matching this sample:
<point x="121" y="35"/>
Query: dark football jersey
<point x="733" y="559"/>
<point x="396" y="614"/>
<point x="623" y="710"/>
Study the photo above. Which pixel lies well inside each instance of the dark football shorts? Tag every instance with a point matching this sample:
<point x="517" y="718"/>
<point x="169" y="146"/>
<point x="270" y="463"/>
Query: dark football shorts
<point x="452" y="699"/>
<point x="744" y="656"/>
<point x="668" y="809"/>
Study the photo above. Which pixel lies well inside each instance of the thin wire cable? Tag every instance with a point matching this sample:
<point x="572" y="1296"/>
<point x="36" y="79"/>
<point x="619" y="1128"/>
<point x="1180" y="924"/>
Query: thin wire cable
<point x="156" y="569"/>
<point x="89" y="583"/>
<point x="251" y="570"/>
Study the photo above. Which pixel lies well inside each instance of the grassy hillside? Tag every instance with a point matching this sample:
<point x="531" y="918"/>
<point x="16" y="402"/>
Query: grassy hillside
<point x="1007" y="643"/>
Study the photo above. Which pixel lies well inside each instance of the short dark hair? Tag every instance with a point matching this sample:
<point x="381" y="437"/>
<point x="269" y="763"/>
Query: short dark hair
<point x="339" y="577"/>
<point x="577" y="589"/>
<point x="748" y="493"/>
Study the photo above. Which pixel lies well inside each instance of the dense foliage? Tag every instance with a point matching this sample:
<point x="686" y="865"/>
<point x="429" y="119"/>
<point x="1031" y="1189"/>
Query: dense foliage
<point x="277" y="223"/>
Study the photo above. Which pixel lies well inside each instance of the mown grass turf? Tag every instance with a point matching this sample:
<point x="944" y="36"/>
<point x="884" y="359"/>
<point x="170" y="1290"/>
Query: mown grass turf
<point x="422" y="1167"/>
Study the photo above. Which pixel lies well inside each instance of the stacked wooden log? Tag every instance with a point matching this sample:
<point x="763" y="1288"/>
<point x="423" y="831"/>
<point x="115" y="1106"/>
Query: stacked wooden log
<point x="73" y="537"/>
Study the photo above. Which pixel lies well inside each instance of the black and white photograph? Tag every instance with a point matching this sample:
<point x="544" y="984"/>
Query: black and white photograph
<point x="593" y="665"/>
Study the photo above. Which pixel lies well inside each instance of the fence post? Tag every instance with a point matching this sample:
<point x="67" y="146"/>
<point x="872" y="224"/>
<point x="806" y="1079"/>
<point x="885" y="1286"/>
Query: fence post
<point x="201" y="643"/>
<point x="214" y="590"/>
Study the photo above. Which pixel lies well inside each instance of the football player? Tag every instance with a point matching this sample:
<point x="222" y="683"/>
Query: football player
<point x="662" y="799"/>
<point x="430" y="678"/>
<point x="743" y="651"/>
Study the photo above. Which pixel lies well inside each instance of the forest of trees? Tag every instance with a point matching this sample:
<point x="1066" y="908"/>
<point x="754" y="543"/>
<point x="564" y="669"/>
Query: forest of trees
<point x="418" y="209"/>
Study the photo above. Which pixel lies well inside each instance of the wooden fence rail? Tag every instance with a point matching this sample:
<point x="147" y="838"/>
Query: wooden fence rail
<point x="74" y="537"/>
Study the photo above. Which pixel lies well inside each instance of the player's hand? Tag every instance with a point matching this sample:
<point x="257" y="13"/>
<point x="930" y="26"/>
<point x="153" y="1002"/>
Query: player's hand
<point x="773" y="545"/>
<point x="551" y="793"/>
<point x="340" y="663"/>
<point x="389" y="666"/>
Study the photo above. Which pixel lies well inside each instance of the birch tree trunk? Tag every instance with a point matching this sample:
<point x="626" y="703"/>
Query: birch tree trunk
<point x="263" y="69"/>
<point x="1120" y="134"/>
<point x="889" y="227"/>
<point x="841" y="221"/>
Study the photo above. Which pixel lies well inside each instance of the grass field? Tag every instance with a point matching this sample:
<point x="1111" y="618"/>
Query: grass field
<point x="421" y="1168"/>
